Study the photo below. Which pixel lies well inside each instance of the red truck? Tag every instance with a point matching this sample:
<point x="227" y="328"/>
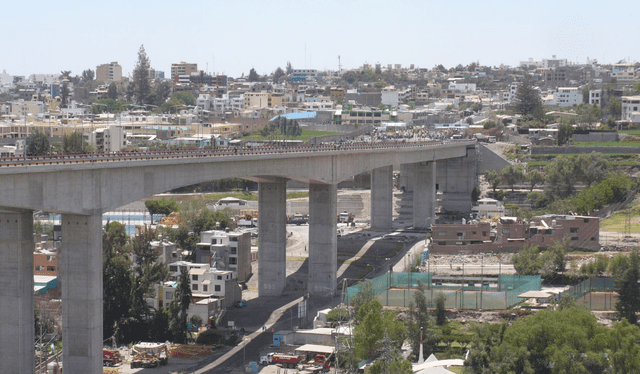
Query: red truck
<point x="111" y="357"/>
<point x="321" y="359"/>
<point x="289" y="361"/>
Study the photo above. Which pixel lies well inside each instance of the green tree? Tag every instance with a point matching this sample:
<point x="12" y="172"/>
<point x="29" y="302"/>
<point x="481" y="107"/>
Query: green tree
<point x="147" y="271"/>
<point x="141" y="84"/>
<point x="112" y="91"/>
<point x="419" y="324"/>
<point x="116" y="279"/>
<point x="279" y="73"/>
<point x="534" y="177"/>
<point x="185" y="97"/>
<point x="37" y="143"/>
<point x="594" y="167"/>
<point x="179" y="306"/>
<point x="253" y="75"/>
<point x="161" y="206"/>
<point x="526" y="262"/>
<point x="371" y="329"/>
<point x="64" y="94"/>
<point x="513" y="174"/>
<point x="494" y="178"/>
<point x="527" y="96"/>
<point x="565" y="131"/>
<point x="562" y="175"/>
<point x="441" y="311"/>
<point x="615" y="108"/>
<point x="628" y="289"/>
<point x="73" y="143"/>
<point x="87" y="75"/>
<point x="364" y="295"/>
<point x="159" y="326"/>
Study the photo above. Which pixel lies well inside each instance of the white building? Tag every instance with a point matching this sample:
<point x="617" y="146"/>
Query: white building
<point x="226" y="250"/>
<point x="488" y="208"/>
<point x="109" y="139"/>
<point x="390" y="96"/>
<point x="462" y="87"/>
<point x="568" y="96"/>
<point x="595" y="97"/>
<point x="630" y="105"/>
<point x="206" y="282"/>
<point x="6" y="79"/>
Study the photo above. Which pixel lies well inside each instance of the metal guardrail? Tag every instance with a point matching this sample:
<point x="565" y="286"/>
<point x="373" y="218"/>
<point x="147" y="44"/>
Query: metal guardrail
<point x="218" y="152"/>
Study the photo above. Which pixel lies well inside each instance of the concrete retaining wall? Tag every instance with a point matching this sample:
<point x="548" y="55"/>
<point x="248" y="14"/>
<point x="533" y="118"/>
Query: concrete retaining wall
<point x="600" y="136"/>
<point x="582" y="149"/>
<point x="489" y="160"/>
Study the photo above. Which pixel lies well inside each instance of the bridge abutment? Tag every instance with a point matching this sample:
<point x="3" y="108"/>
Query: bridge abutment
<point x="272" y="237"/>
<point x="382" y="197"/>
<point x="323" y="241"/>
<point x="16" y="292"/>
<point x="81" y="273"/>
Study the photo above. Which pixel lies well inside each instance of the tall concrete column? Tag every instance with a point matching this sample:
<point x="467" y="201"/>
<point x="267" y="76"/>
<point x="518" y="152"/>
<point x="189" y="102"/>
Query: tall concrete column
<point x="424" y="195"/>
<point x="81" y="273"/>
<point x="16" y="292"/>
<point x="382" y="197"/>
<point x="323" y="241"/>
<point x="272" y="237"/>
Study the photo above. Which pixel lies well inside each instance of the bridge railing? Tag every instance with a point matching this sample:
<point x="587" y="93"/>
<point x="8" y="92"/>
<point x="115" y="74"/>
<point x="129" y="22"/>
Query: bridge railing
<point x="57" y="159"/>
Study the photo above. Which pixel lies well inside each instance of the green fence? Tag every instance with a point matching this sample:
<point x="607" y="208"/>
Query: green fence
<point x="595" y="293"/>
<point x="398" y="289"/>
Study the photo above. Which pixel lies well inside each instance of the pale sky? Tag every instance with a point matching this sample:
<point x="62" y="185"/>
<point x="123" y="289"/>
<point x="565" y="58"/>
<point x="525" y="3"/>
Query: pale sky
<point x="232" y="36"/>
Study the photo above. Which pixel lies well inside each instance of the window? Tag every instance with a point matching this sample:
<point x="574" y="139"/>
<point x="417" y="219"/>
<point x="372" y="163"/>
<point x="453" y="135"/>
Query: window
<point x="574" y="238"/>
<point x="233" y="261"/>
<point x="459" y="233"/>
<point x="505" y="231"/>
<point x="205" y="288"/>
<point x="573" y="230"/>
<point x="51" y="268"/>
<point x="194" y="277"/>
<point x="194" y="287"/>
<point x="442" y="233"/>
<point x="39" y="268"/>
<point x="484" y="233"/>
<point x="173" y="268"/>
<point x="473" y="232"/>
<point x="592" y="238"/>
<point x="168" y="296"/>
<point x="217" y="288"/>
<point x="586" y="220"/>
<point x="219" y="277"/>
<point x="442" y="243"/>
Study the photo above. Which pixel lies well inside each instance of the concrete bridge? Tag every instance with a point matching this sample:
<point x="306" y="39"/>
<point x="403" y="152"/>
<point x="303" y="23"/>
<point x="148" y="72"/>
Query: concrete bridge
<point x="81" y="188"/>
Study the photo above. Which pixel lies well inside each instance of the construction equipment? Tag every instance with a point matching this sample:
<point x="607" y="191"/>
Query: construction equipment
<point x="288" y="361"/>
<point x="149" y="355"/>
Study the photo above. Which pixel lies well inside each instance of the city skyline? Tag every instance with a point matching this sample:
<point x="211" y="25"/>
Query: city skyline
<point x="233" y="37"/>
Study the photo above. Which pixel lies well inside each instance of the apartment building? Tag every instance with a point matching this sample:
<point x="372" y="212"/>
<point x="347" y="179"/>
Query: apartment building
<point x="183" y="68"/>
<point x="510" y="234"/>
<point x="301" y="75"/>
<point x="567" y="96"/>
<point x="111" y="72"/>
<point x="363" y="116"/>
<point x="595" y="97"/>
<point x="390" y="96"/>
<point x="109" y="139"/>
<point x="226" y="251"/>
<point x="630" y="104"/>
<point x="45" y="263"/>
<point x="264" y="99"/>
<point x="623" y="73"/>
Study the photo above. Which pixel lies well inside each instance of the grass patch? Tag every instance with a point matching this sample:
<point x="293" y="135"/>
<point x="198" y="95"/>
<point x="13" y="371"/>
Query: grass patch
<point x="238" y="195"/>
<point x="608" y="144"/>
<point x="618" y="220"/>
<point x="297" y="195"/>
<point x="630" y="132"/>
<point x="539" y="163"/>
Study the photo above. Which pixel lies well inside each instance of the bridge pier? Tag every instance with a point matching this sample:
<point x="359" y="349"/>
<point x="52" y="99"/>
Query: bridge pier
<point x="272" y="237"/>
<point x="323" y="241"/>
<point x="457" y="178"/>
<point x="407" y="177"/>
<point x="424" y="195"/>
<point x="382" y="197"/>
<point x="81" y="273"/>
<point x="16" y="292"/>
